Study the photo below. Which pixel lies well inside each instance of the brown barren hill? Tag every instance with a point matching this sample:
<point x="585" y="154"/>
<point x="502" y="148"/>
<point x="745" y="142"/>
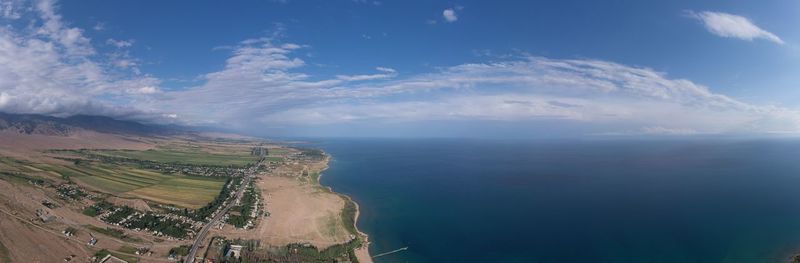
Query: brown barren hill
<point x="24" y="238"/>
<point x="27" y="146"/>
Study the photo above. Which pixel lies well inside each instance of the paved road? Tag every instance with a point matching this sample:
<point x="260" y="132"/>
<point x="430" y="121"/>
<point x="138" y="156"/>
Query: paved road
<point x="201" y="236"/>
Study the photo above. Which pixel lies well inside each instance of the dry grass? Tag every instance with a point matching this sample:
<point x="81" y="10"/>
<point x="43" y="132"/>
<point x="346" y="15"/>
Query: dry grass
<point x="28" y="240"/>
<point x="29" y="146"/>
<point x="299" y="212"/>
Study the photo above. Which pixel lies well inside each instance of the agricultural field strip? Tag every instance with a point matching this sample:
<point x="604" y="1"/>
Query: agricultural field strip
<point x="125" y="179"/>
<point x="192" y="192"/>
<point x="173" y="191"/>
<point x="104" y="171"/>
<point x="184" y="191"/>
<point x="106" y="185"/>
<point x="11" y="165"/>
<point x="193" y="157"/>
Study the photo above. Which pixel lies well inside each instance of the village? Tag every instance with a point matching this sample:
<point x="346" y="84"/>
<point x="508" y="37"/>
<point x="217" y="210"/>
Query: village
<point x="164" y="221"/>
<point x="159" y="231"/>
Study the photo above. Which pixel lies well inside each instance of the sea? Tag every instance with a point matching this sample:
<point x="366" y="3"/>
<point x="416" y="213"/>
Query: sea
<point x="659" y="200"/>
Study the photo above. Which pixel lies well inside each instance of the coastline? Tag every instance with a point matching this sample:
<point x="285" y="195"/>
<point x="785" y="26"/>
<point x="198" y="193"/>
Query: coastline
<point x="362" y="252"/>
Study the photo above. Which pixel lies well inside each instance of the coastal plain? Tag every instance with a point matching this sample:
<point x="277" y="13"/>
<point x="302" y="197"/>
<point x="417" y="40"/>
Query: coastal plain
<point x="143" y="198"/>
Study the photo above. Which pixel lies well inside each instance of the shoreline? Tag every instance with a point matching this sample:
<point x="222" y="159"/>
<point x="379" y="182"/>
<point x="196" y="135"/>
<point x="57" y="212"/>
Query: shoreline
<point x="362" y="252"/>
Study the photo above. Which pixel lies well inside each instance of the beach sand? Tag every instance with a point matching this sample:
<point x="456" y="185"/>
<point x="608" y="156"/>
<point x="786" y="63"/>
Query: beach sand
<point x="362" y="253"/>
<point x="299" y="212"/>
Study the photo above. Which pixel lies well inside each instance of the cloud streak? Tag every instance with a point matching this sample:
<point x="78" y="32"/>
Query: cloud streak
<point x="525" y="89"/>
<point x="733" y="26"/>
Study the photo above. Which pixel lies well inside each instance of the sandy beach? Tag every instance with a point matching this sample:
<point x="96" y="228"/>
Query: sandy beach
<point x="362" y="253"/>
<point x="301" y="211"/>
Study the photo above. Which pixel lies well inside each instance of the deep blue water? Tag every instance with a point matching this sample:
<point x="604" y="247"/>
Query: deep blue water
<point x="573" y="201"/>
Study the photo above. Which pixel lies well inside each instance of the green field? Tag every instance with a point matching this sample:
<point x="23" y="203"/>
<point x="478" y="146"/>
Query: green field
<point x="115" y="233"/>
<point x="274" y="159"/>
<point x="349" y="215"/>
<point x="127" y="249"/>
<point x="13" y="165"/>
<point x="125" y="181"/>
<point x="197" y="157"/>
<point x="184" y="191"/>
<point x="279" y="151"/>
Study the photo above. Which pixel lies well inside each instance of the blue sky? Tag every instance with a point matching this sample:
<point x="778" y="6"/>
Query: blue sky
<point x="410" y="68"/>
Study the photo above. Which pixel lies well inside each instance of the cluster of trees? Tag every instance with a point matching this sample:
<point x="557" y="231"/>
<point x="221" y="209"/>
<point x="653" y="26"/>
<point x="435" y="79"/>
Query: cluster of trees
<point x="312" y="153"/>
<point x="330" y="254"/>
<point x="239" y="221"/>
<point x="70" y="191"/>
<point x="147" y="221"/>
<point x="144" y="163"/>
<point x="245" y="209"/>
<point x="120" y="214"/>
<point x="166" y="226"/>
<point x="300" y="253"/>
<point x="20" y="176"/>
<point x="179" y="251"/>
<point x="97" y="208"/>
<point x="164" y="167"/>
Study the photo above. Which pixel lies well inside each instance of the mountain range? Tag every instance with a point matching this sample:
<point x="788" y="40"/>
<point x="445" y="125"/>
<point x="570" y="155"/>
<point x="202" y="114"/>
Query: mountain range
<point x="55" y="126"/>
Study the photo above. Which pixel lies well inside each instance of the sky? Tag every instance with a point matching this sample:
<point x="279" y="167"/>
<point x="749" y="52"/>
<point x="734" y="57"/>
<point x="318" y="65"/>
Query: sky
<point x="360" y="68"/>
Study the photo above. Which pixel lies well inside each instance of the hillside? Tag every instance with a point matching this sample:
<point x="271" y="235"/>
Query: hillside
<point x="54" y="126"/>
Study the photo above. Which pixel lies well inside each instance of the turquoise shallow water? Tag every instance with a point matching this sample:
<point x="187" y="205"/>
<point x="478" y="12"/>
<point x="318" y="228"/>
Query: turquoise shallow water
<point x="571" y="201"/>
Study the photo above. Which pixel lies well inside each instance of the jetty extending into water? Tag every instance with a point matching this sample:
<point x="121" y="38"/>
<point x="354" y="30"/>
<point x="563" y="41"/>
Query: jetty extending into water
<point x="390" y="252"/>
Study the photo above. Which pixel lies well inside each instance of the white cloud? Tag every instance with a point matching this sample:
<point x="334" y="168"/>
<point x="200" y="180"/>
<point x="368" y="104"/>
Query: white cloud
<point x="51" y="68"/>
<point x="120" y="43"/>
<point x="70" y="38"/>
<point x="144" y="90"/>
<point x="659" y="130"/>
<point x="385" y="69"/>
<point x="449" y="15"/>
<point x="271" y="90"/>
<point x="124" y="63"/>
<point x="385" y="74"/>
<point x="100" y="26"/>
<point x="733" y="26"/>
<point x="11" y="9"/>
<point x="4" y="99"/>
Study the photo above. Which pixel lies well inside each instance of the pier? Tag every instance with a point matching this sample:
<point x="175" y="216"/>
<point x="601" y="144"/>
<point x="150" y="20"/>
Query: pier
<point x="390" y="252"/>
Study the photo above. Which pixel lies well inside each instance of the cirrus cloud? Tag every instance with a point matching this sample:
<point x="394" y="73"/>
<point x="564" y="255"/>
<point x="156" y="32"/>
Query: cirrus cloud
<point x="273" y="90"/>
<point x="733" y="26"/>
